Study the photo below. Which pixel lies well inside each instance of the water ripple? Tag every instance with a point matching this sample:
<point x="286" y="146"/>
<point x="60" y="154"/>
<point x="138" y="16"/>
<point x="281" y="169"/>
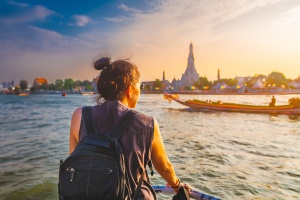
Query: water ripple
<point x="229" y="155"/>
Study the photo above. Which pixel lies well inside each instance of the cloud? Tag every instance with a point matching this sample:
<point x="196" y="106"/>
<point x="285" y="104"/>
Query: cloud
<point x="81" y="20"/>
<point x="47" y="34"/>
<point x="26" y="14"/>
<point x="24" y="38"/>
<point x="128" y="9"/>
<point x="40" y="52"/>
<point x="124" y="8"/>
<point x="17" y="31"/>
<point x="172" y="19"/>
<point x="17" y="4"/>
<point x="290" y="16"/>
<point x="117" y="19"/>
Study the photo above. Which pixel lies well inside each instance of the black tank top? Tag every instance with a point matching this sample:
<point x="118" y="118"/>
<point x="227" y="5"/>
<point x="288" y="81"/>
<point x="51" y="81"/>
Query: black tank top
<point x="136" y="142"/>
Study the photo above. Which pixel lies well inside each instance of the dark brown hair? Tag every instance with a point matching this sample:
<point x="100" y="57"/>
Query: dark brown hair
<point x="115" y="77"/>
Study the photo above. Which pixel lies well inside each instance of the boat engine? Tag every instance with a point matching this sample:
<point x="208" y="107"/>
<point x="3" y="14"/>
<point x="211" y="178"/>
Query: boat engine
<point x="295" y="102"/>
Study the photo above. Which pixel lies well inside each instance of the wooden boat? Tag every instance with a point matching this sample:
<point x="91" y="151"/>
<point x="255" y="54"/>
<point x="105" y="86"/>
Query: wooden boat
<point x="63" y="94"/>
<point x="85" y="93"/>
<point x="23" y="94"/>
<point x="293" y="108"/>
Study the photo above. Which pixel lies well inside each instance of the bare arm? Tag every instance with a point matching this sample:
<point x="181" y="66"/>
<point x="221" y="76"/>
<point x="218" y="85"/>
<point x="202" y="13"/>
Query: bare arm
<point x="74" y="129"/>
<point x="160" y="159"/>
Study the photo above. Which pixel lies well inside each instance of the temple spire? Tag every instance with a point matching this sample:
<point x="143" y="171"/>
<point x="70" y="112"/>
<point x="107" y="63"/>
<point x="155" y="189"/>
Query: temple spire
<point x="190" y="76"/>
<point x="191" y="54"/>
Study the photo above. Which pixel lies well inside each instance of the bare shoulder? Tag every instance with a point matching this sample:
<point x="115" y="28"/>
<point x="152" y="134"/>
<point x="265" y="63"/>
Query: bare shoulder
<point x="77" y="114"/>
<point x="77" y="111"/>
<point x="155" y="122"/>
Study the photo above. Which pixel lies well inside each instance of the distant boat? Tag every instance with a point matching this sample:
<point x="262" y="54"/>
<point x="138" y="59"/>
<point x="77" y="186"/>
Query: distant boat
<point x="63" y="94"/>
<point x="86" y="93"/>
<point x="23" y="94"/>
<point x="293" y="108"/>
<point x="8" y="92"/>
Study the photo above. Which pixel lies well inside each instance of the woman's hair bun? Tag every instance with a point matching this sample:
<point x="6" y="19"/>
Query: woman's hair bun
<point x="101" y="63"/>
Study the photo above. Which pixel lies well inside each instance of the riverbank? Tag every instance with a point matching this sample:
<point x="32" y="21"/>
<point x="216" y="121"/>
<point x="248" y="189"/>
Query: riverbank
<point x="236" y="93"/>
<point x="200" y="92"/>
<point x="47" y="92"/>
<point x="296" y="92"/>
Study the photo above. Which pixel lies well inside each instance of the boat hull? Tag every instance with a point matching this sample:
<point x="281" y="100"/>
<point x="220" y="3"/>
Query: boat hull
<point x="203" y="106"/>
<point x="23" y="94"/>
<point x="87" y="93"/>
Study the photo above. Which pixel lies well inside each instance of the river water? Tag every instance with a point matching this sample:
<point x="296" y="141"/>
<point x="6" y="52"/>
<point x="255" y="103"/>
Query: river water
<point x="228" y="155"/>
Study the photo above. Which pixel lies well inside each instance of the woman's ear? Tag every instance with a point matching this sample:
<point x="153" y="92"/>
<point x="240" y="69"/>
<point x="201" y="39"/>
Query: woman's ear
<point x="129" y="92"/>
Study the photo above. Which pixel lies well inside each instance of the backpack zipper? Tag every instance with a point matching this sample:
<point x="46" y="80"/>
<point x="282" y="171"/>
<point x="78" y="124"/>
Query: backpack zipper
<point x="71" y="170"/>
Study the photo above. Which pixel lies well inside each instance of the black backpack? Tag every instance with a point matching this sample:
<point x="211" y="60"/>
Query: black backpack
<point x="96" y="168"/>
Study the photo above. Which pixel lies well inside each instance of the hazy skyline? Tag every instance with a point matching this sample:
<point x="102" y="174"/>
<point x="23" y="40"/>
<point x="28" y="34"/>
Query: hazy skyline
<point x="61" y="39"/>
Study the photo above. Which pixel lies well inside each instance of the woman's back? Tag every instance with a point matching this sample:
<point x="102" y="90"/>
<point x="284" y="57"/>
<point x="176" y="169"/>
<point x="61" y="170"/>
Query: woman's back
<point x="136" y="141"/>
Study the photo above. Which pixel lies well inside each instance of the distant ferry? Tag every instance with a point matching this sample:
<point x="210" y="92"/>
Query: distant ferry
<point x="23" y="94"/>
<point x="86" y="93"/>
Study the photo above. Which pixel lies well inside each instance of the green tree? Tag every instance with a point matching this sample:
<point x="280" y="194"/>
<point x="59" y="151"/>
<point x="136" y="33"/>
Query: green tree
<point x="277" y="79"/>
<point x="157" y="84"/>
<point x="254" y="79"/>
<point x="23" y="85"/>
<point x="59" y="84"/>
<point x="90" y="88"/>
<point x="44" y="86"/>
<point x="147" y="87"/>
<point x="228" y="81"/>
<point x="17" y="89"/>
<point x="69" y="84"/>
<point x="87" y="85"/>
<point x="77" y="84"/>
<point x="52" y="86"/>
<point x="232" y="81"/>
<point x="202" y="83"/>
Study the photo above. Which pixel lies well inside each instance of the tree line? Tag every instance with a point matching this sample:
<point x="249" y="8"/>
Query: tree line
<point x="67" y="84"/>
<point x="275" y="79"/>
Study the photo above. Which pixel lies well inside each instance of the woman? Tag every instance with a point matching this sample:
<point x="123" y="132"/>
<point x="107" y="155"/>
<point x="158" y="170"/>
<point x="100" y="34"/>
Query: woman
<point x="119" y="90"/>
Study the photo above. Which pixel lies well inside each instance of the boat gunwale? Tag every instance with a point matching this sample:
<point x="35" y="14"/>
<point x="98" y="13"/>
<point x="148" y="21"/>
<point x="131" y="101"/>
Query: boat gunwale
<point x="284" y="109"/>
<point x="242" y="106"/>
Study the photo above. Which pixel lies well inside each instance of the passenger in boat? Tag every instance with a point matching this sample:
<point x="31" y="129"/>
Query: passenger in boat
<point x="119" y="90"/>
<point x="273" y="101"/>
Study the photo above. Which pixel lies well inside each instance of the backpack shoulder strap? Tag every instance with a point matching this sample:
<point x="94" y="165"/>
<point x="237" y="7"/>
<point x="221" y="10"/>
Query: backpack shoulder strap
<point x="122" y="125"/>
<point x="88" y="120"/>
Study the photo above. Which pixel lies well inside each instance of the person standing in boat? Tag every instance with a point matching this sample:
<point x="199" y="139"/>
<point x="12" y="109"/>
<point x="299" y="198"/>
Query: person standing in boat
<point x="273" y="101"/>
<point x="119" y="90"/>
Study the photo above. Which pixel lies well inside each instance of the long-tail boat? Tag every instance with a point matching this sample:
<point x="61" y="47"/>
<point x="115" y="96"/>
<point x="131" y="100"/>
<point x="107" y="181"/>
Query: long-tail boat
<point x="293" y="108"/>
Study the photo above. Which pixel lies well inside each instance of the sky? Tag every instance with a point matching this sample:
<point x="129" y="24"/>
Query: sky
<point x="61" y="39"/>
